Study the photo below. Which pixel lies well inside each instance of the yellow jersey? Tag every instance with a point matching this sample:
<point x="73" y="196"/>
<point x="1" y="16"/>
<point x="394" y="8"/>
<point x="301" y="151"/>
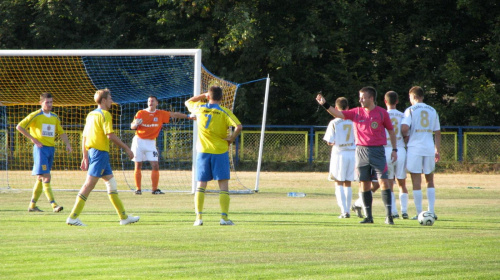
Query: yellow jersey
<point x="213" y="122"/>
<point x="43" y="127"/>
<point x="98" y="125"/>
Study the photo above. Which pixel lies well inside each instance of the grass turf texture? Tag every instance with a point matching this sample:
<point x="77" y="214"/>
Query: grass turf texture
<point x="275" y="237"/>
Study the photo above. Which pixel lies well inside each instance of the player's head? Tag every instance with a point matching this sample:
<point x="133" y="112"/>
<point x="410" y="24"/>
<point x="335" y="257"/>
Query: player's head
<point x="152" y="102"/>
<point x="45" y="96"/>
<point x="103" y="97"/>
<point x="215" y="93"/>
<point x="367" y="97"/>
<point x="416" y="94"/>
<point x="342" y="104"/>
<point x="46" y="101"/>
<point x="391" y="98"/>
<point x="417" y="91"/>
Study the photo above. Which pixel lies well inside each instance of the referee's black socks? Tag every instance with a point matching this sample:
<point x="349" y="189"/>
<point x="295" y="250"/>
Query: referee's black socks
<point x="387" y="199"/>
<point x="367" y="202"/>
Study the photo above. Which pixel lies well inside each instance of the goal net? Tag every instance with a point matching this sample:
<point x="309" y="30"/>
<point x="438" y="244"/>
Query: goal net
<point x="72" y="77"/>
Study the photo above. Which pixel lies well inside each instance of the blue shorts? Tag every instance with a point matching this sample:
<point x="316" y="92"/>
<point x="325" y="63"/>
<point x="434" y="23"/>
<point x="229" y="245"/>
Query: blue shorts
<point x="42" y="160"/>
<point x="212" y="167"/>
<point x="99" y="163"/>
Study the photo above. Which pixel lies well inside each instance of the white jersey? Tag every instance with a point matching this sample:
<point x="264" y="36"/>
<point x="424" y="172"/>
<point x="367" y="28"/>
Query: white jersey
<point x="396" y="119"/>
<point x="423" y="120"/>
<point x="340" y="133"/>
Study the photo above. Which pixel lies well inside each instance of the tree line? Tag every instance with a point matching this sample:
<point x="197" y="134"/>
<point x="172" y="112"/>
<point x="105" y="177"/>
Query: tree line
<point x="449" y="47"/>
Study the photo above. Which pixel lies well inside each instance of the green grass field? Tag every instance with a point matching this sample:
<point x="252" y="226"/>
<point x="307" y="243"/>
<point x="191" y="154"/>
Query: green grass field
<point x="275" y="237"/>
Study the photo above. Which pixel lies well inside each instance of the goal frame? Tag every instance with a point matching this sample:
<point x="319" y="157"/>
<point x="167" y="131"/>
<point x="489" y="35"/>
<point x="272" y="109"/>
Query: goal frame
<point x="196" y="53"/>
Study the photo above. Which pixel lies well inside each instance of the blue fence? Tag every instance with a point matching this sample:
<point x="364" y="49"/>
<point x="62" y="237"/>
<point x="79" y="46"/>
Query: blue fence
<point x="476" y="144"/>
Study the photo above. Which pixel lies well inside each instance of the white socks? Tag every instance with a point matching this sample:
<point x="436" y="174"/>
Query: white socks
<point x="431" y="197"/>
<point x="394" y="209"/>
<point x="348" y="198"/>
<point x="403" y="200"/>
<point x="339" y="193"/>
<point x="417" y="198"/>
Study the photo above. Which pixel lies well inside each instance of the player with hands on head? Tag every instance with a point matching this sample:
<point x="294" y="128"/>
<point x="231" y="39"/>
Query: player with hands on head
<point x="212" y="159"/>
<point x="44" y="126"/>
<point x="147" y="124"/>
<point x="420" y="122"/>
<point x="339" y="134"/>
<point x="97" y="134"/>
<point x="370" y="122"/>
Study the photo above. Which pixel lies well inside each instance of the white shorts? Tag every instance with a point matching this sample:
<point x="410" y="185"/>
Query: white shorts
<point x="396" y="169"/>
<point x="342" y="166"/>
<point x="144" y="149"/>
<point x="419" y="164"/>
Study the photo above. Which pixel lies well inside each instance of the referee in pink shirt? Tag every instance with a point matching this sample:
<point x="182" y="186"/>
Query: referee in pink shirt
<point x="370" y="122"/>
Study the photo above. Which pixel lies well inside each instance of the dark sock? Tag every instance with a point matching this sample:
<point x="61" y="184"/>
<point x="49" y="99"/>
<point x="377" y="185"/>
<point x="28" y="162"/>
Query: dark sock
<point x="386" y="198"/>
<point x="367" y="201"/>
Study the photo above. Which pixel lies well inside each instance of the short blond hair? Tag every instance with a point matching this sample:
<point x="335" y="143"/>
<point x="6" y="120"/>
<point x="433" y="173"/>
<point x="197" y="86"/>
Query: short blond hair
<point x="101" y="94"/>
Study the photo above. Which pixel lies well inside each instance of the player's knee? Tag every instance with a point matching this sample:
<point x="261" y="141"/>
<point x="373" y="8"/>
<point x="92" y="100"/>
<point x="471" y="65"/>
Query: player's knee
<point x="111" y="185"/>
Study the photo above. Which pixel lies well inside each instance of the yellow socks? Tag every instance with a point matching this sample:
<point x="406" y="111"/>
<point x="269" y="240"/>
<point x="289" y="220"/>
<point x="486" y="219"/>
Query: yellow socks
<point x="199" y="200"/>
<point x="78" y="208"/>
<point x="47" y="189"/>
<point x="37" y="191"/>
<point x="155" y="178"/>
<point x="117" y="203"/>
<point x="224" y="204"/>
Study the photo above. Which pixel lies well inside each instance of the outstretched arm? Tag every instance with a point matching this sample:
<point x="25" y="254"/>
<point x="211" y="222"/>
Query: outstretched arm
<point x="330" y="109"/>
<point x="181" y="116"/>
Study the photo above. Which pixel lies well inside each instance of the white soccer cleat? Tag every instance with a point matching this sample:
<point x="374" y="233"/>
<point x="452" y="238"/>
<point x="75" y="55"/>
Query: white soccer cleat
<point x="198" y="223"/>
<point x="129" y="220"/>
<point x="226" y="222"/>
<point x="75" y="222"/>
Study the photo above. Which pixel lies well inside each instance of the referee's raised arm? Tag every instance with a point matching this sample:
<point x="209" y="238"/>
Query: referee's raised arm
<point x="330" y="109"/>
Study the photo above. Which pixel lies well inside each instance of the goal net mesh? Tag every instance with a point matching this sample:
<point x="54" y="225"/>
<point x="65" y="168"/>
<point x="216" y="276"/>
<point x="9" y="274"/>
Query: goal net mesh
<point x="73" y="80"/>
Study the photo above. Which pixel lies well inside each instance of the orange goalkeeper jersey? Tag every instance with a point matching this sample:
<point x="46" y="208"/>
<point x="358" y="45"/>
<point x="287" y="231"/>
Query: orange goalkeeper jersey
<point x="151" y="123"/>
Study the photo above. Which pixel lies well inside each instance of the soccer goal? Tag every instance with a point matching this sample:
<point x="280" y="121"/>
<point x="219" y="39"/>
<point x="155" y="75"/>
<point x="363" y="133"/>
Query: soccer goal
<point x="72" y="77"/>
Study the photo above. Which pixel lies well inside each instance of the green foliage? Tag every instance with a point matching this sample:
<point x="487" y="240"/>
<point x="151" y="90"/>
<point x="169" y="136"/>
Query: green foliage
<point x="450" y="47"/>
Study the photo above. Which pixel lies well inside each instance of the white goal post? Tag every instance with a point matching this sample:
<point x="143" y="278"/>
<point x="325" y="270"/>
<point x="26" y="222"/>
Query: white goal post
<point x="73" y="76"/>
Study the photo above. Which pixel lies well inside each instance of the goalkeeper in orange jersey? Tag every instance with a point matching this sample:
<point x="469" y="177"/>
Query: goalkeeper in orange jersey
<point x="43" y="126"/>
<point x="212" y="161"/>
<point x="148" y="123"/>
<point x="96" y="135"/>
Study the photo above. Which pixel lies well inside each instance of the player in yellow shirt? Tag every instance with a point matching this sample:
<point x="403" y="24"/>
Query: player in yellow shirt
<point x="212" y="162"/>
<point x="44" y="126"/>
<point x="148" y="123"/>
<point x="96" y="135"/>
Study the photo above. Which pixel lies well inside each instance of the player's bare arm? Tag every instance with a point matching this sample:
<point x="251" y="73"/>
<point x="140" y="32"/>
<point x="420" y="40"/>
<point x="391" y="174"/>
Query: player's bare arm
<point x="85" y="156"/>
<point x="392" y="137"/>
<point x="181" y="116"/>
<point x="135" y="124"/>
<point x="119" y="143"/>
<point x="199" y="97"/>
<point x="330" y="109"/>
<point x="235" y="134"/>
<point x="65" y="139"/>
<point x="28" y="135"/>
<point x="437" y="145"/>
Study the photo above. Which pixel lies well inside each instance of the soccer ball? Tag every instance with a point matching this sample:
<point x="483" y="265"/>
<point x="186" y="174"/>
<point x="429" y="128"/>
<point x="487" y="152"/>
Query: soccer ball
<point x="426" y="218"/>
